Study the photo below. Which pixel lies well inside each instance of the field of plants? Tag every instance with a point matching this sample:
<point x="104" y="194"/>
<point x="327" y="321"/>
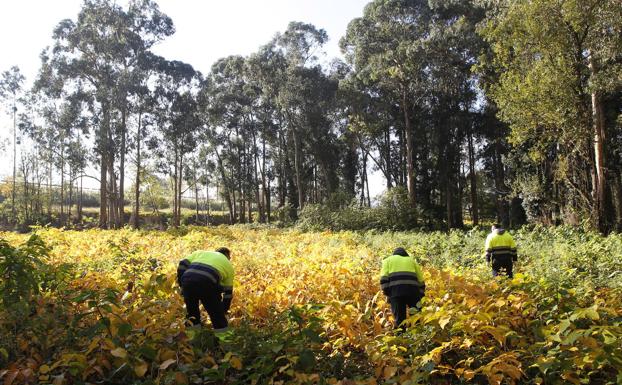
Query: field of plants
<point x="104" y="307"/>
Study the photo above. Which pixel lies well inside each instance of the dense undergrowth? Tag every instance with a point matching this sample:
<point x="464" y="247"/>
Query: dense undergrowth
<point x="103" y="307"/>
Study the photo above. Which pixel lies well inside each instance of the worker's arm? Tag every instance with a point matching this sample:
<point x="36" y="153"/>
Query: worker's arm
<point x="514" y="250"/>
<point x="384" y="277"/>
<point x="487" y="248"/>
<point x="181" y="269"/>
<point x="227" y="297"/>
<point x="184" y="264"/>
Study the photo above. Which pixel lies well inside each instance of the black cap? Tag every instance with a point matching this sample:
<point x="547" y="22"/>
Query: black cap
<point x="224" y="250"/>
<point x="400" y="251"/>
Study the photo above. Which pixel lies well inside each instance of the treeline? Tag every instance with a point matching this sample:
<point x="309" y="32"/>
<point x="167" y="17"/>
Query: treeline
<point x="476" y="109"/>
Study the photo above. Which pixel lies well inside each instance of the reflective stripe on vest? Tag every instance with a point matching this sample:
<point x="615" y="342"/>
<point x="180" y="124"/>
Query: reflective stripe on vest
<point x="203" y="270"/>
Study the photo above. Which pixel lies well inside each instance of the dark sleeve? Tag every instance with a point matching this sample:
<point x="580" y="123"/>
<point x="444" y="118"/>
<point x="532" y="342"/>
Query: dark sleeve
<point x="384" y="285"/>
<point x="181" y="268"/>
<point x="227" y="297"/>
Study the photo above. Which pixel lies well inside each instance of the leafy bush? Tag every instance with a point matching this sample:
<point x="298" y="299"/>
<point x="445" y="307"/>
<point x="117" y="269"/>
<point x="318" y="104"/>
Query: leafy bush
<point x="394" y="212"/>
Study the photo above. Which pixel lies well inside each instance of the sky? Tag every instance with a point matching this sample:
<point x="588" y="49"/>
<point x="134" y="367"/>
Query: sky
<point x="206" y="30"/>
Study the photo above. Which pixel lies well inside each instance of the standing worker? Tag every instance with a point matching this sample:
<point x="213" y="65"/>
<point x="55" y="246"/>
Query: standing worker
<point x="500" y="250"/>
<point x="207" y="277"/>
<point x="402" y="282"/>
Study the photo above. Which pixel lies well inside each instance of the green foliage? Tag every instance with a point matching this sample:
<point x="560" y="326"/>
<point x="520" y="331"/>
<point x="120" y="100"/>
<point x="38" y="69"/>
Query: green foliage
<point x="25" y="278"/>
<point x="394" y="212"/>
<point x="21" y="270"/>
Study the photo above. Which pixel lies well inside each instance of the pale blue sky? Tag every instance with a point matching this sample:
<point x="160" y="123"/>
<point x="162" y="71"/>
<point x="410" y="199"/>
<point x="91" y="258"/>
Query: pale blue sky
<point x="206" y="30"/>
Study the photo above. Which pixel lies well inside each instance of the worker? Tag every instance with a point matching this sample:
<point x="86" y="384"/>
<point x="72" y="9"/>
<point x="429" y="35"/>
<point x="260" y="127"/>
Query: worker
<point x="500" y="250"/>
<point x="207" y="277"/>
<point x="402" y="282"/>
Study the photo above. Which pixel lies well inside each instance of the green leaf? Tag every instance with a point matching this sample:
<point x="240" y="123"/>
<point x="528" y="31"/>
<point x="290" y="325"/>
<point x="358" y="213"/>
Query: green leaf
<point x="124" y="330"/>
<point x="148" y="352"/>
<point x="306" y="360"/>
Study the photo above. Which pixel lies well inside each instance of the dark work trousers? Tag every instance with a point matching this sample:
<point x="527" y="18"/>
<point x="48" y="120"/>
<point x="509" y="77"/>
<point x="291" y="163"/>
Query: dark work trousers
<point x="206" y="292"/>
<point x="502" y="263"/>
<point x="399" y="307"/>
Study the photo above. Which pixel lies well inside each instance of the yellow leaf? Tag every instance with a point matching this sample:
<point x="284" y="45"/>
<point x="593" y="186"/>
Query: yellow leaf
<point x="44" y="369"/>
<point x="167" y="354"/>
<point x="181" y="378"/>
<point x="444" y="321"/>
<point x="592" y="314"/>
<point x="119" y="352"/>
<point x="235" y="363"/>
<point x="571" y="377"/>
<point x="497" y="333"/>
<point x="469" y="374"/>
<point x="167" y="363"/>
<point x="141" y="369"/>
<point x="389" y="371"/>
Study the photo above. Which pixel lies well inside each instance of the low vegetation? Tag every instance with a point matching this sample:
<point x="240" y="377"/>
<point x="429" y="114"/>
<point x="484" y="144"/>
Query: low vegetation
<point x="103" y="307"/>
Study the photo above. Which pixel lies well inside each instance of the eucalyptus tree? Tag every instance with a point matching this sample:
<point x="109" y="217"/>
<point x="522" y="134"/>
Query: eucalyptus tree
<point x="305" y="98"/>
<point x="411" y="66"/>
<point x="100" y="49"/>
<point x="177" y="122"/>
<point x="64" y="114"/>
<point x="556" y="79"/>
<point x="11" y="86"/>
<point x="267" y="68"/>
<point x="384" y="47"/>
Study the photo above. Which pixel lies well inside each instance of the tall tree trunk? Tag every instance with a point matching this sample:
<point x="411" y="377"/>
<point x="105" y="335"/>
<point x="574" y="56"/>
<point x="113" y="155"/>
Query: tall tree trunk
<point x="256" y="166"/>
<point x="136" y="216"/>
<point x="298" y="167"/>
<point x="225" y="183"/>
<point x="366" y="181"/>
<point x="62" y="181"/>
<point x="71" y="174"/>
<point x="314" y="194"/>
<point x="50" y="192"/>
<point x="473" y="180"/>
<point x="112" y="201"/>
<point x="103" y="185"/>
<point x="265" y="194"/>
<point x="196" y="196"/>
<point x="389" y="165"/>
<point x="179" y="191"/>
<point x="602" y="206"/>
<point x="410" y="161"/>
<point x="121" y="199"/>
<point x="449" y="202"/>
<point x="502" y="205"/>
<point x="207" y="201"/>
<point x="268" y="197"/>
<point x="80" y="199"/>
<point x="282" y="173"/>
<point x="175" y="171"/>
<point x="13" y="212"/>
